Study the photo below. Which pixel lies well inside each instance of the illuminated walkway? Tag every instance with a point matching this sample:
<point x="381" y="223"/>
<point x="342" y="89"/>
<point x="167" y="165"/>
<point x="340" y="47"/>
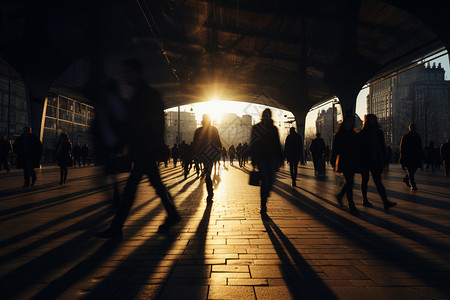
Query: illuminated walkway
<point x="309" y="248"/>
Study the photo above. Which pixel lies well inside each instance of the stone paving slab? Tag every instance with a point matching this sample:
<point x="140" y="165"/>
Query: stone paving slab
<point x="308" y="248"/>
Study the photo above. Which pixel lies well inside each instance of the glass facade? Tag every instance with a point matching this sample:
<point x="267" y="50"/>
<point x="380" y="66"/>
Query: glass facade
<point x="68" y="115"/>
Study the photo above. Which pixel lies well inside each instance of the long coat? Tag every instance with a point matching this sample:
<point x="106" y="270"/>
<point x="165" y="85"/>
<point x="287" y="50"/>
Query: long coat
<point x="346" y="152"/>
<point x="265" y="143"/>
<point x="411" y="151"/>
<point x="374" y="148"/>
<point x="64" y="153"/>
<point x="293" y="148"/>
<point x="29" y="151"/>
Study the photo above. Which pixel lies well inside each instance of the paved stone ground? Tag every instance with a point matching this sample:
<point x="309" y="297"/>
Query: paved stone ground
<point x="309" y="248"/>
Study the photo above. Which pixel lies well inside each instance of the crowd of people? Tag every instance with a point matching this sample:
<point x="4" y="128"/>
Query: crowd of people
<point x="130" y="136"/>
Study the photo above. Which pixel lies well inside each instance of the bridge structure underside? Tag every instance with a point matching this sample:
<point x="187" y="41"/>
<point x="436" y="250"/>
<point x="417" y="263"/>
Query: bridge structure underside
<point x="287" y="54"/>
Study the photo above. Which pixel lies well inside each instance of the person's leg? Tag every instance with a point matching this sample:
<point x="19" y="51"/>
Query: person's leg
<point x="167" y="201"/>
<point x="349" y="182"/>
<point x="61" y="175"/>
<point x="208" y="181"/>
<point x="65" y="174"/>
<point x="26" y="175"/>
<point x="128" y="198"/>
<point x="376" y="175"/>
<point x="411" y="172"/>
<point x="32" y="175"/>
<point x="364" y="184"/>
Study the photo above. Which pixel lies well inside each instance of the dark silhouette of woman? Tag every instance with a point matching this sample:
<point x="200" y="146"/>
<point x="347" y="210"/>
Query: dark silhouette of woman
<point x="346" y="157"/>
<point x="64" y="156"/>
<point x="374" y="159"/>
<point x="293" y="149"/>
<point x="267" y="156"/>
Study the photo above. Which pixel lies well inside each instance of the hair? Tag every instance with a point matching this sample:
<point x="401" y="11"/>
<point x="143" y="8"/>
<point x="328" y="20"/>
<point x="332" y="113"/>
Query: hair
<point x="412" y="127"/>
<point x="292" y="130"/>
<point x="370" y="120"/>
<point x="134" y="64"/>
<point x="347" y="121"/>
<point x="268" y="112"/>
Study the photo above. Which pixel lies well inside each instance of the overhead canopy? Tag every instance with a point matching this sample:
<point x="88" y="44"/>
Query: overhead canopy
<point x="290" y="54"/>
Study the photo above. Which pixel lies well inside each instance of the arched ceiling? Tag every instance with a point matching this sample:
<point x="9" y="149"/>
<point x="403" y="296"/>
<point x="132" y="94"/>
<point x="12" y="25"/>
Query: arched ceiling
<point x="291" y="54"/>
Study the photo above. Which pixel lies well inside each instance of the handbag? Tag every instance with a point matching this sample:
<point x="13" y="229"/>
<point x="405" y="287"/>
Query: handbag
<point x="255" y="178"/>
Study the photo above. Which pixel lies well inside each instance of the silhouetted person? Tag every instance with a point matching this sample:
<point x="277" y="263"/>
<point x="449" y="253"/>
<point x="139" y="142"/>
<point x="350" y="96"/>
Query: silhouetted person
<point x="411" y="155"/>
<point x="167" y="154"/>
<point x="346" y="157"/>
<point x="430" y="156"/>
<point x="207" y="148"/>
<point x="293" y="148"/>
<point x="389" y="155"/>
<point x="327" y="154"/>
<point x="175" y="155"/>
<point x="145" y="136"/>
<point x="76" y="151"/>
<point x="84" y="154"/>
<point x="29" y="153"/>
<point x="182" y="153"/>
<point x="445" y="155"/>
<point x="224" y="155"/>
<point x="267" y="156"/>
<point x="245" y="150"/>
<point x="317" y="149"/>
<point x="239" y="154"/>
<point x="5" y="151"/>
<point x="374" y="159"/>
<point x="231" y="154"/>
<point x="64" y="156"/>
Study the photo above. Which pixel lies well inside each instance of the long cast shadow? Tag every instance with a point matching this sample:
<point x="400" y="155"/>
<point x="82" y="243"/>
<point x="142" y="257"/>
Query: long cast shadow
<point x="55" y="201"/>
<point x="304" y="282"/>
<point x="370" y="241"/>
<point x="163" y="243"/>
<point x="40" y="188"/>
<point x="200" y="236"/>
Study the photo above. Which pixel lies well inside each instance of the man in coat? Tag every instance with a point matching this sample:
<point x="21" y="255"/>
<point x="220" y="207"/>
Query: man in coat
<point x="29" y="153"/>
<point x="411" y="155"/>
<point x="145" y="137"/>
<point x="207" y="149"/>
<point x="317" y="149"/>
<point x="293" y="151"/>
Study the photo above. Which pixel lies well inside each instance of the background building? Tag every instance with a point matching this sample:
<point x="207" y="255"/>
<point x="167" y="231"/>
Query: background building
<point x="67" y="110"/>
<point x="234" y="129"/>
<point x="188" y="124"/>
<point x="419" y="95"/>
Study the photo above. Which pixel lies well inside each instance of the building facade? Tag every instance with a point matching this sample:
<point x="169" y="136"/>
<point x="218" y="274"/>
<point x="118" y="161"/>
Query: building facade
<point x="188" y="124"/>
<point x="234" y="129"/>
<point x="66" y="111"/>
<point x="419" y="95"/>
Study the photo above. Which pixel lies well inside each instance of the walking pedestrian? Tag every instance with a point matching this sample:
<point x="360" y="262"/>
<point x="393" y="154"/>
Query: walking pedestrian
<point x="64" y="156"/>
<point x="317" y="149"/>
<point x="29" y="153"/>
<point x="346" y="158"/>
<point x="76" y="152"/>
<point x="374" y="159"/>
<point x="207" y="149"/>
<point x="266" y="153"/>
<point x="411" y="155"/>
<point x="293" y="148"/>
<point x="175" y="155"/>
<point x="5" y="151"/>
<point x="445" y="155"/>
<point x="85" y="154"/>
<point x="231" y="154"/>
<point x="145" y="137"/>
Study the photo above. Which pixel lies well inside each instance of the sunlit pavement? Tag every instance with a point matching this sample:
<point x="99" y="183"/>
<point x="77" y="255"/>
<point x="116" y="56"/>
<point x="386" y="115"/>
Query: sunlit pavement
<point x="308" y="248"/>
